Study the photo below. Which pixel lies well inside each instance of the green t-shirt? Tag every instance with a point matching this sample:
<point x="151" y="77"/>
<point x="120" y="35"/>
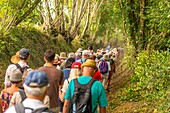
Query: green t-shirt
<point x="97" y="92"/>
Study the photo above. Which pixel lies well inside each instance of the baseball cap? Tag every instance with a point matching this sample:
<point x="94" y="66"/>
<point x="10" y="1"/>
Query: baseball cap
<point x="24" y="53"/>
<point x="76" y="65"/>
<point x="36" y="79"/>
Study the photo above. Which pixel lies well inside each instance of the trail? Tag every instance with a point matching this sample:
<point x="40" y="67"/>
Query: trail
<point x="119" y="80"/>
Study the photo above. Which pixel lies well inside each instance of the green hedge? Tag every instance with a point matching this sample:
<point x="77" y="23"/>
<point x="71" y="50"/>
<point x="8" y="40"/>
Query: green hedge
<point x="151" y="80"/>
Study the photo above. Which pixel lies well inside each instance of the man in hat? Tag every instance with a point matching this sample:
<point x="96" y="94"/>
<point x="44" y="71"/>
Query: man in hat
<point x="36" y="85"/>
<point x="21" y="63"/>
<point x="97" y="90"/>
<point x="56" y="79"/>
<point x="85" y="56"/>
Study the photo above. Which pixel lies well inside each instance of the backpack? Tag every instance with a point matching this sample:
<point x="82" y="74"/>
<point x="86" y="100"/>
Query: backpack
<point x="103" y="67"/>
<point x="19" y="108"/>
<point x="81" y="61"/>
<point x="22" y="69"/>
<point x="23" y="95"/>
<point x="81" y="101"/>
<point x="5" y="100"/>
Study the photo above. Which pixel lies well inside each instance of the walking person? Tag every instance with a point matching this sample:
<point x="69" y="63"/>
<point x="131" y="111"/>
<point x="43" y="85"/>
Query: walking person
<point x="20" y="95"/>
<point x="97" y="91"/>
<point x="55" y="77"/>
<point x="66" y="73"/>
<point x="75" y="73"/>
<point x="104" y="67"/>
<point x="85" y="56"/>
<point x="6" y="94"/>
<point x="36" y="85"/>
<point x="20" y="62"/>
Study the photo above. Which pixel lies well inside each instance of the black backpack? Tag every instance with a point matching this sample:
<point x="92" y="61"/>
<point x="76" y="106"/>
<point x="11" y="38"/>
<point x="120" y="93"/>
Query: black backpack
<point x="19" y="108"/>
<point x="81" y="101"/>
<point x="22" y="69"/>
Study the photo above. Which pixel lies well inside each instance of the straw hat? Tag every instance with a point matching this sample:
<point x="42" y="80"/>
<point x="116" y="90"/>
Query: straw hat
<point x="15" y="58"/>
<point x="63" y="55"/>
<point x="56" y="59"/>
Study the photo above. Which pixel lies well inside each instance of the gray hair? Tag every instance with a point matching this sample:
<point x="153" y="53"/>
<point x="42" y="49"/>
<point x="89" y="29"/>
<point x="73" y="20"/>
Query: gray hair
<point x="34" y="91"/>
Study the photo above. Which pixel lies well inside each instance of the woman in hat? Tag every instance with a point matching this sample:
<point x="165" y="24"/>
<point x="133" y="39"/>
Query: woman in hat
<point x="6" y="94"/>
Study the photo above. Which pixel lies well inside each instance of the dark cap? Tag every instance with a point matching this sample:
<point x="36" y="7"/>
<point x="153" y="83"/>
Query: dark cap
<point x="24" y="53"/>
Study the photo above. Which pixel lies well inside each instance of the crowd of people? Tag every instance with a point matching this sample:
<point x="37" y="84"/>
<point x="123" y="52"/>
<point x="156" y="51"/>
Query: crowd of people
<point x="53" y="87"/>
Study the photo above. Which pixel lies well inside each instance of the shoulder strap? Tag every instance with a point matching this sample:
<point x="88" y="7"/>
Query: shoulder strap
<point x="88" y="86"/>
<point x="67" y="80"/>
<point x="43" y="109"/>
<point x="19" y="108"/>
<point x="22" y="94"/>
<point x="22" y="69"/>
<point x="76" y="83"/>
<point x="19" y="67"/>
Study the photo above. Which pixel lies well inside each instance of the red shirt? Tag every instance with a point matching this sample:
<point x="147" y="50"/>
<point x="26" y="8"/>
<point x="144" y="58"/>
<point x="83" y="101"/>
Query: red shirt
<point x="97" y="76"/>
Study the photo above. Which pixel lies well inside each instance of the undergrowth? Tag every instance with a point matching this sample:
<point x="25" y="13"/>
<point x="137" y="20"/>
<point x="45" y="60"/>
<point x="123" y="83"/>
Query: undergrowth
<point x="149" y="83"/>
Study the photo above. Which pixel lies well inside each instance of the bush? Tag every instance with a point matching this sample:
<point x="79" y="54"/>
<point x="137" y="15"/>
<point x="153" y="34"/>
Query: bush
<point x="150" y="81"/>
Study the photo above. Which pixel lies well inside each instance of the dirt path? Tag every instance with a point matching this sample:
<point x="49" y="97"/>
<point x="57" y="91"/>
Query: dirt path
<point x="119" y="79"/>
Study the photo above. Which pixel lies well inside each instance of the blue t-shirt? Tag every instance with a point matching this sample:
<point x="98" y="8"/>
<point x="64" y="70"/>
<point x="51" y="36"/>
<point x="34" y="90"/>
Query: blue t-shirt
<point x="82" y="60"/>
<point x="97" y="92"/>
<point x="66" y="73"/>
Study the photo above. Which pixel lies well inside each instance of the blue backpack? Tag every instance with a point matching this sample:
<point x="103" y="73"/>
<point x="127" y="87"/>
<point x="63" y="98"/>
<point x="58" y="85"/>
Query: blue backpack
<point x="103" y="67"/>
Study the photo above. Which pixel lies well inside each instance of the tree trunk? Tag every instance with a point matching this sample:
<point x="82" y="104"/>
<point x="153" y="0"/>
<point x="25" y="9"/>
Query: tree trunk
<point x="142" y="23"/>
<point x="131" y="17"/>
<point x="87" y="21"/>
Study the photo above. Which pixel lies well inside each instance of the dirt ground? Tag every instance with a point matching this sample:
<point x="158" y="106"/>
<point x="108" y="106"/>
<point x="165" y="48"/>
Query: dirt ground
<point x="119" y="79"/>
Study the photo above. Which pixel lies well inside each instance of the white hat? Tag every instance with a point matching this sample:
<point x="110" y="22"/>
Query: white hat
<point x="85" y="52"/>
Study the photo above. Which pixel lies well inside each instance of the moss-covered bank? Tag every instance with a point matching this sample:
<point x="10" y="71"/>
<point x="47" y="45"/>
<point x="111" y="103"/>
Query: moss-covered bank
<point x="32" y="39"/>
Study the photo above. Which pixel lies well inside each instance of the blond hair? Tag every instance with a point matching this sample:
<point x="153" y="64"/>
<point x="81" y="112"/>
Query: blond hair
<point x="75" y="73"/>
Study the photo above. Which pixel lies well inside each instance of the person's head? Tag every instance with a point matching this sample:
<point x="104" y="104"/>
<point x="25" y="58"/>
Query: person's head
<point x="105" y="57"/>
<point x="24" y="54"/>
<point x="63" y="56"/>
<point x="89" y="67"/>
<point x="90" y="47"/>
<point x="75" y="70"/>
<point x="56" y="60"/>
<point x="36" y="84"/>
<point x="69" y="62"/>
<point x="15" y="76"/>
<point x="71" y="55"/>
<point x="85" y="54"/>
<point x="93" y="57"/>
<point x="49" y="56"/>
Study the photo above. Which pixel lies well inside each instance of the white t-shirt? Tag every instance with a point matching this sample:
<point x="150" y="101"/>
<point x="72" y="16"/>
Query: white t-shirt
<point x="28" y="103"/>
<point x="65" y="85"/>
<point x="10" y="67"/>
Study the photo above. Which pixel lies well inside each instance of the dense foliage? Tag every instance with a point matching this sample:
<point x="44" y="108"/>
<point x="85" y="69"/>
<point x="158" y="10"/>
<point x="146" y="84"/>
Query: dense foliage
<point x="150" y="81"/>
